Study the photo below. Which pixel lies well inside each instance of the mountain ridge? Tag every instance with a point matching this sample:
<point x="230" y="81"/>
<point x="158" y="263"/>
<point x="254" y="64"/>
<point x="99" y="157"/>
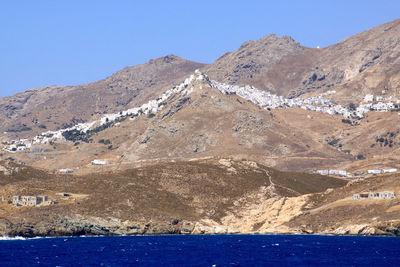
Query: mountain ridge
<point x="236" y="146"/>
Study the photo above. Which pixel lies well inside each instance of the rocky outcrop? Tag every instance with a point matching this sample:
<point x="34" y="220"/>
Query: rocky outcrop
<point x="79" y="225"/>
<point x="252" y="59"/>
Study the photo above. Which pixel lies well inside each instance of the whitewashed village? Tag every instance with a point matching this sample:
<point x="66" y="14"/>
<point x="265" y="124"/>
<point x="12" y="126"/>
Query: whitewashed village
<point x="261" y="98"/>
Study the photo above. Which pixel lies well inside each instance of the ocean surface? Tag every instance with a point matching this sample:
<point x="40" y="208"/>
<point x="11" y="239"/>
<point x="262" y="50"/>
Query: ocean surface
<point x="214" y="250"/>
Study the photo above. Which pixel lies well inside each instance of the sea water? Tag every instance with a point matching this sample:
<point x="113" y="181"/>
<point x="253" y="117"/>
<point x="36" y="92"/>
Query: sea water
<point x="212" y="250"/>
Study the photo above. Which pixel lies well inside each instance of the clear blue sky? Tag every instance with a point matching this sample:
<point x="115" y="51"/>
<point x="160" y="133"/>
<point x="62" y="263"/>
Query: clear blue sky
<point x="71" y="42"/>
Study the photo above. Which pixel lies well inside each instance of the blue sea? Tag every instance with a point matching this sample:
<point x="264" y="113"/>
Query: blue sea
<point x="213" y="250"/>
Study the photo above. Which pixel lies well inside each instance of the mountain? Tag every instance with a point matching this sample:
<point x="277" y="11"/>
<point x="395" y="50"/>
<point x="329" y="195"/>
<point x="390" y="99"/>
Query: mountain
<point x="364" y="63"/>
<point x="174" y="146"/>
<point x="196" y="120"/>
<point x="253" y="60"/>
<point x="55" y="107"/>
<point x="282" y="66"/>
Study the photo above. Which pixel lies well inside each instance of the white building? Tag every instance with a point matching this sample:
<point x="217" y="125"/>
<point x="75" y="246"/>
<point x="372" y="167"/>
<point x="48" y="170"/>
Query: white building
<point x="66" y="170"/>
<point x="99" y="162"/>
<point x="338" y="172"/>
<point x="389" y="170"/>
<point x="369" y="98"/>
<point x="322" y="172"/>
<point x="31" y="201"/>
<point x="374" y="171"/>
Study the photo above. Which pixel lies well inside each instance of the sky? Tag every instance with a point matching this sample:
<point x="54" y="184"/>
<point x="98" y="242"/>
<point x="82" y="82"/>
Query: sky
<point x="69" y="42"/>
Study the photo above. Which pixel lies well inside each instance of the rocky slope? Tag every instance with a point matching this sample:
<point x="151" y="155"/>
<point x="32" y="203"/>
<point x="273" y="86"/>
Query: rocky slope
<point x="213" y="196"/>
<point x="162" y="198"/>
<point x="367" y="62"/>
<point x="364" y="63"/>
<point x="55" y="107"/>
<point x="193" y="120"/>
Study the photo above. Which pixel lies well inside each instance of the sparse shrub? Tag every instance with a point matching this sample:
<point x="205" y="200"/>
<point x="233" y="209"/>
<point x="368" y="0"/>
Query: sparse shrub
<point x="151" y="115"/>
<point x="380" y="139"/>
<point x="106" y="142"/>
<point x="333" y="142"/>
<point x="22" y="128"/>
<point x="360" y="157"/>
<point x="347" y="121"/>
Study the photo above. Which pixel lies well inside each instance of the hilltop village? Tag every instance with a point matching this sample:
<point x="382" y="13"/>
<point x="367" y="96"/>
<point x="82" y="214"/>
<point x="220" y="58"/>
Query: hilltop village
<point x="320" y="103"/>
<point x="261" y="98"/>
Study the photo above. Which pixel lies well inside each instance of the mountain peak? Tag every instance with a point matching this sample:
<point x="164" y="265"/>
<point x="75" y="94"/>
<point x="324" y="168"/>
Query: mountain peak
<point x="166" y="59"/>
<point x="252" y="59"/>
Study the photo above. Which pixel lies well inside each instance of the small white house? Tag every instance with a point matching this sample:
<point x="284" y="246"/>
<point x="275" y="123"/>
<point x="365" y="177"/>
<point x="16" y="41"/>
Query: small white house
<point x="389" y="170"/>
<point x="21" y="148"/>
<point x="99" y="162"/>
<point x="374" y="171"/>
<point x="322" y="172"/>
<point x="66" y="170"/>
<point x="368" y="98"/>
<point x="338" y="172"/>
<point x="375" y="195"/>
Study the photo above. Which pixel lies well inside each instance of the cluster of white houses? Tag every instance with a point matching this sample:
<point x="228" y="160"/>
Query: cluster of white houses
<point x="18" y="145"/>
<point x="343" y="173"/>
<point x="379" y="171"/>
<point x="152" y="106"/>
<point x="319" y="103"/>
<point x="375" y="195"/>
<point x="261" y="98"/>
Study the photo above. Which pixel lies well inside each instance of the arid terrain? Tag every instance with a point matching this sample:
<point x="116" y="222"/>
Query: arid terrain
<point x="274" y="137"/>
<point x="198" y="197"/>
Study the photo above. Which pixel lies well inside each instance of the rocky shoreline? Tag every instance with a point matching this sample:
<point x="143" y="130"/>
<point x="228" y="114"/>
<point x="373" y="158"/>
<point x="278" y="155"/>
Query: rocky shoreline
<point x="112" y="227"/>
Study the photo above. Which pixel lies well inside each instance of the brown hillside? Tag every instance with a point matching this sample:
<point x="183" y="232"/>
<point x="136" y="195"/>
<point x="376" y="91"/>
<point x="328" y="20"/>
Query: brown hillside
<point x="55" y="107"/>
